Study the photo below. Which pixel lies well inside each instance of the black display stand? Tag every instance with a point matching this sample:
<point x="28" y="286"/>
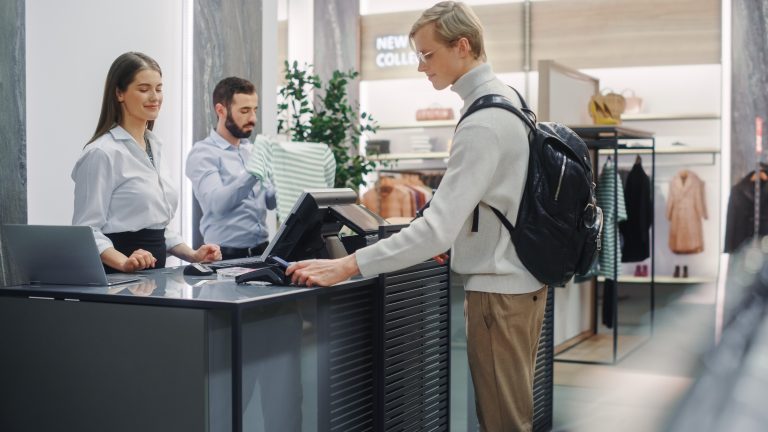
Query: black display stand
<point x="617" y="140"/>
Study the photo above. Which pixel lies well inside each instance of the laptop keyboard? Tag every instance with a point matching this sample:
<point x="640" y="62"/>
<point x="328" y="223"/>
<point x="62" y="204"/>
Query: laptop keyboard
<point x="249" y="262"/>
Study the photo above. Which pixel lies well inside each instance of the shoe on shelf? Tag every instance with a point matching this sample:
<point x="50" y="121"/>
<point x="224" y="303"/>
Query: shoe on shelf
<point x="677" y="271"/>
<point x="638" y="270"/>
<point x="645" y="270"/>
<point x="685" y="271"/>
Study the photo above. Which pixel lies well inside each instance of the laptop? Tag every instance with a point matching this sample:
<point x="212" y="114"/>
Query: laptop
<point x="58" y="255"/>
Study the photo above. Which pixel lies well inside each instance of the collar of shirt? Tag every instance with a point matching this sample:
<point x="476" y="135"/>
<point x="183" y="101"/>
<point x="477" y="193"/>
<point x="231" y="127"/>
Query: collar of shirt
<point x="224" y="144"/>
<point x="122" y="135"/>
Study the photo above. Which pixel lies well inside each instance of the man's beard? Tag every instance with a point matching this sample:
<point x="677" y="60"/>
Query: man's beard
<point x="234" y="129"/>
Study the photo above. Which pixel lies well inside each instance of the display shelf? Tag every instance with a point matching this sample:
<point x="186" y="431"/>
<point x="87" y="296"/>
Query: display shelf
<point x="408" y="156"/>
<point x="613" y="132"/>
<point x="629" y="149"/>
<point x="609" y="345"/>
<point x="420" y="125"/>
<point x="681" y="116"/>
<point x="662" y="280"/>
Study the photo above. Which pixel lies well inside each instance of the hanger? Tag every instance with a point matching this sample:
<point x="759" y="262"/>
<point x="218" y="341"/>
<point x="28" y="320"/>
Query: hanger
<point x="763" y="176"/>
<point x="608" y="161"/>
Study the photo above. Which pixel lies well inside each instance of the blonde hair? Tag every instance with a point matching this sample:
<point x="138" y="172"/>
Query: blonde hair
<point x="453" y="21"/>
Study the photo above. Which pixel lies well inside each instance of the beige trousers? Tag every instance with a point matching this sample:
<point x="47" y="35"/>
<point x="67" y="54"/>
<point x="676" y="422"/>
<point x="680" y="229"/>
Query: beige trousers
<point x="502" y="340"/>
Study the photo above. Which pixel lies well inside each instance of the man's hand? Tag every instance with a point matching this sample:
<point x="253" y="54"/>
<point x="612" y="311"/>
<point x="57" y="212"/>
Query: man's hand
<point x="207" y="252"/>
<point x="442" y="258"/>
<point x="139" y="260"/>
<point x="322" y="272"/>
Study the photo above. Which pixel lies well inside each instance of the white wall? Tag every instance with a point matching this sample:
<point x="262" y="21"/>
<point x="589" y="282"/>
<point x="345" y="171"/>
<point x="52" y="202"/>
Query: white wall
<point x="70" y="46"/>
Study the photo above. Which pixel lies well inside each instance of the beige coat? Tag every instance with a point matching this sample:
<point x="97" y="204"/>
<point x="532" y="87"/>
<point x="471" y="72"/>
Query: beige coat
<point x="686" y="207"/>
<point x="390" y="199"/>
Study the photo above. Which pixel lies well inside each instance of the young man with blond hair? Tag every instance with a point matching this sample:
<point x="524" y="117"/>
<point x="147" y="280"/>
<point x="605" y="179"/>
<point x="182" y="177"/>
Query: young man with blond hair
<point x="488" y="164"/>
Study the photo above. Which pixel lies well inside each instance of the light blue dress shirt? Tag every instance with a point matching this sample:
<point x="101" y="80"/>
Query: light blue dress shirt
<point x="118" y="189"/>
<point x="234" y="202"/>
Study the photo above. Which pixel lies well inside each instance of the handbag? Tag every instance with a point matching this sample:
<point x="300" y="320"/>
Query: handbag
<point x="434" y="112"/>
<point x="606" y="109"/>
<point x="634" y="104"/>
<point x="615" y="102"/>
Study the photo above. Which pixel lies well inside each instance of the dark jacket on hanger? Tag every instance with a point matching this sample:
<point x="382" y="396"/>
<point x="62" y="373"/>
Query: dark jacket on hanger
<point x="740" y="221"/>
<point x="635" y="230"/>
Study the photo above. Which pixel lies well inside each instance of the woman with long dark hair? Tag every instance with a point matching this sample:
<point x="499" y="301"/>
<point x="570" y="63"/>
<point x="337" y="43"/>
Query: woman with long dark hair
<point x="121" y="190"/>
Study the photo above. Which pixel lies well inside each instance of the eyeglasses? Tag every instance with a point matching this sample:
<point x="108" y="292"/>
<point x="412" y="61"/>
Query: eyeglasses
<point x="423" y="57"/>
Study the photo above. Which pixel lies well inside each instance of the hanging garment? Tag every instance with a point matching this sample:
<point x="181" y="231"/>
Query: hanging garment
<point x="740" y="220"/>
<point x="614" y="211"/>
<point x="292" y="167"/>
<point x="390" y="199"/>
<point x="635" y="230"/>
<point x="686" y="207"/>
<point x="608" y="311"/>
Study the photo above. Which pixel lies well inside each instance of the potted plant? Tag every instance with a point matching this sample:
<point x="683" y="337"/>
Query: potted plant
<point x="330" y="119"/>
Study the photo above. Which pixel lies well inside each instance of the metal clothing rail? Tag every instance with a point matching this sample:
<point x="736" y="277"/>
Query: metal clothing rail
<point x="608" y="139"/>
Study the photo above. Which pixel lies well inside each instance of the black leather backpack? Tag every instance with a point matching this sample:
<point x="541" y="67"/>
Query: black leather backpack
<point x="558" y="226"/>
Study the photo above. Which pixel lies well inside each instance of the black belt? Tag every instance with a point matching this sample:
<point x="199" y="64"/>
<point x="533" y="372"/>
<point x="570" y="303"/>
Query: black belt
<point x="232" y="253"/>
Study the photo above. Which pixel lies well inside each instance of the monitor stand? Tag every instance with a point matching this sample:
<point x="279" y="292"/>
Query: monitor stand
<point x="334" y="247"/>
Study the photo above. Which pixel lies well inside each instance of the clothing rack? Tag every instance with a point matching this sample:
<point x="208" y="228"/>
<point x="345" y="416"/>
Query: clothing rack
<point x="431" y="177"/>
<point x="611" y="140"/>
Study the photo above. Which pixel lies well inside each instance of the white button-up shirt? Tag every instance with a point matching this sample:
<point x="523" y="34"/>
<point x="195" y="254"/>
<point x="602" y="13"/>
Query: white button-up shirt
<point x="117" y="188"/>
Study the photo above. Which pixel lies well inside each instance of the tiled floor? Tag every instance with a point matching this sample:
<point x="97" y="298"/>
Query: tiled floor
<point x="643" y="388"/>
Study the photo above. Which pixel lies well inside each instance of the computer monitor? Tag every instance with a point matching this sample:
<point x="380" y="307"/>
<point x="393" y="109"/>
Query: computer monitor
<point x="316" y="218"/>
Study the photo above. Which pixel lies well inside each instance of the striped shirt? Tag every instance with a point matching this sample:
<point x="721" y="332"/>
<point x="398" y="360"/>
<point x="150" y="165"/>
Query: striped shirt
<point x="292" y="167"/>
<point x="610" y="253"/>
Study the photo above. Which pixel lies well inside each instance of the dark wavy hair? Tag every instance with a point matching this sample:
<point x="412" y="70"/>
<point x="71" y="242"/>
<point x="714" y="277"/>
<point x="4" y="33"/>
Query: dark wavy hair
<point x="226" y="89"/>
<point x="121" y="74"/>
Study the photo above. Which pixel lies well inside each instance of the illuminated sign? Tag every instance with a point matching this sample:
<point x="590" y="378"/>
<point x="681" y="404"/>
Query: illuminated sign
<point x="394" y="51"/>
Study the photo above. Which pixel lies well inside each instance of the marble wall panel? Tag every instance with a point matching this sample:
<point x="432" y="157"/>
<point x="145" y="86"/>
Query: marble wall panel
<point x="227" y="42"/>
<point x="749" y="88"/>
<point x="337" y="41"/>
<point x="13" y="157"/>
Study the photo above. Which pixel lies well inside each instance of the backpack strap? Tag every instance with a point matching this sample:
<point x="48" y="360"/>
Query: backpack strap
<point x="528" y="118"/>
<point x="522" y="101"/>
<point x="499" y="101"/>
<point x="504" y="221"/>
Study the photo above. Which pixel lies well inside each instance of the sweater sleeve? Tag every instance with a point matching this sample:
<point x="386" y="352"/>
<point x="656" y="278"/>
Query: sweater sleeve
<point x="473" y="160"/>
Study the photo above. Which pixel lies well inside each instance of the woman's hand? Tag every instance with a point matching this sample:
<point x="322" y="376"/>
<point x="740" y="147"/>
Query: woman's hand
<point x="139" y="260"/>
<point x="207" y="252"/>
<point x="143" y="288"/>
<point x="322" y="272"/>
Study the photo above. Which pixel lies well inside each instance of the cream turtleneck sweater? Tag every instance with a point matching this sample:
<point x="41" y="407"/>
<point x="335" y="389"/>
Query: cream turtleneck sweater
<point x="488" y="163"/>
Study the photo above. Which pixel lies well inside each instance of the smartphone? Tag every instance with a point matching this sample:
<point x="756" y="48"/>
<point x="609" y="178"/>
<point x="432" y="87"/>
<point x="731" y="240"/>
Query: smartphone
<point x="279" y="261"/>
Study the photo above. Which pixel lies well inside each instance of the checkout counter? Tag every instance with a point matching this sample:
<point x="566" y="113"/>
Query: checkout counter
<point x="203" y="353"/>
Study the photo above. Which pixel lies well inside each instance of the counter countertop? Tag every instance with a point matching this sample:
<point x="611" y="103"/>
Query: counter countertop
<point x="171" y="287"/>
